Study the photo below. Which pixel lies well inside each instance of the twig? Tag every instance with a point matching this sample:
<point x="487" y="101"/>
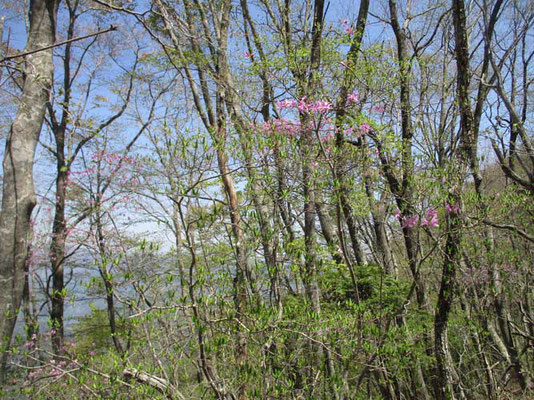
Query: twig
<point x="26" y="53"/>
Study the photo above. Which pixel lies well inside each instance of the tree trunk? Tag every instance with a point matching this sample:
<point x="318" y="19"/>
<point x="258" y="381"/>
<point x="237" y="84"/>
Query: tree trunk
<point x="444" y="304"/>
<point x="328" y="230"/>
<point x="452" y="256"/>
<point x="57" y="258"/>
<point x="243" y="274"/>
<point x="18" y="198"/>
<point x="403" y="190"/>
<point x="59" y="228"/>
<point x="29" y="310"/>
<point x="379" y="226"/>
<point x="107" y="277"/>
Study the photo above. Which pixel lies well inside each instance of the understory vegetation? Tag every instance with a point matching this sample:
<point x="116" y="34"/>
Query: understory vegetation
<point x="266" y="199"/>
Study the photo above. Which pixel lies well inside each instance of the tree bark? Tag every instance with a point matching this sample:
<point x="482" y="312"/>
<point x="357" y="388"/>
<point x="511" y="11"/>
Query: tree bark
<point x="452" y="256"/>
<point x="57" y="256"/>
<point x="379" y="226"/>
<point x="242" y="273"/>
<point x="59" y="228"/>
<point x="403" y="190"/>
<point x="18" y="199"/>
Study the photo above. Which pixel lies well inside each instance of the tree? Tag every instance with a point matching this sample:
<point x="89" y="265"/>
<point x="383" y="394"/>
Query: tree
<point x="71" y="135"/>
<point x="18" y="198"/>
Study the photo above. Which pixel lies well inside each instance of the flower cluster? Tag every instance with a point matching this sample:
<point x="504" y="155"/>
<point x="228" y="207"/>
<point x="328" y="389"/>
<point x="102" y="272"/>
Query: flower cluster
<point x="353" y="98"/>
<point x="410" y="221"/>
<point x="282" y="126"/>
<point x="365" y="128"/>
<point x="431" y="219"/>
<point x="305" y="107"/>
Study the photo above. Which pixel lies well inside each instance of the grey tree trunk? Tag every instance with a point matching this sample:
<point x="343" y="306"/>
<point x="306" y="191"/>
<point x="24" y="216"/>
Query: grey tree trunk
<point x="18" y="197"/>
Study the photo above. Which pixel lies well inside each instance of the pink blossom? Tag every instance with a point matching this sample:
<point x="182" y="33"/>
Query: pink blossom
<point x="410" y="222"/>
<point x="397" y="213"/>
<point x="282" y="126"/>
<point x="302" y="106"/>
<point x="287" y="103"/>
<point x="431" y="219"/>
<point x="365" y="128"/>
<point x="349" y="31"/>
<point x="353" y="98"/>
<point x="248" y="55"/>
<point x="320" y="106"/>
<point x="344" y="21"/>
